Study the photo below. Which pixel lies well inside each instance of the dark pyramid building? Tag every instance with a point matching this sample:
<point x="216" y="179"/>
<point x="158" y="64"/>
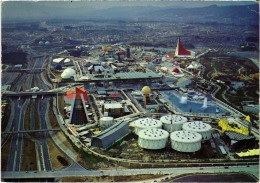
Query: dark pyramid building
<point x="79" y="114"/>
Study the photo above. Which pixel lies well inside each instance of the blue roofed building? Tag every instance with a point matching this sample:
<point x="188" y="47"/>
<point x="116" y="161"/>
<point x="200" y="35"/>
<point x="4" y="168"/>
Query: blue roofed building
<point x="111" y="135"/>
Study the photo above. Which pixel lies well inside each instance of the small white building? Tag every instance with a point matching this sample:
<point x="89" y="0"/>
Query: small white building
<point x="137" y="95"/>
<point x="114" y="109"/>
<point x="194" y="66"/>
<point x="18" y="66"/>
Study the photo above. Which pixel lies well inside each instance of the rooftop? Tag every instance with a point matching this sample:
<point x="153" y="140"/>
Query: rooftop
<point x="153" y="134"/>
<point x="186" y="136"/>
<point x="147" y="123"/>
<point x="197" y="126"/>
<point x="173" y="119"/>
<point x="123" y="76"/>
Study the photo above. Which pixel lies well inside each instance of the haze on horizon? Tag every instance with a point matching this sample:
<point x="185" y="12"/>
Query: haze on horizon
<point x="12" y="10"/>
<point x="117" y="3"/>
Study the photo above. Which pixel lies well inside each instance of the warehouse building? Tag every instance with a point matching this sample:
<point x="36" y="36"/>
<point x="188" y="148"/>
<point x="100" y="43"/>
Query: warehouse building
<point x="238" y="141"/>
<point x="111" y="135"/>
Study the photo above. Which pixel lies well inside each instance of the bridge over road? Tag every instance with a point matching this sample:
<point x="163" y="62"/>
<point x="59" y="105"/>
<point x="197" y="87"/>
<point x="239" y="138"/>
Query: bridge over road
<point x="29" y="131"/>
<point x="21" y="94"/>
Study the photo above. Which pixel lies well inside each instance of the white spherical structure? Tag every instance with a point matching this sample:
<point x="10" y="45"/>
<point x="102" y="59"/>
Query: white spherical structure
<point x="153" y="138"/>
<point x="41" y="43"/>
<point x="198" y="126"/>
<point x="185" y="141"/>
<point x="47" y="43"/>
<point x="106" y="122"/>
<point x="145" y="123"/>
<point x="173" y="122"/>
<point x="68" y="73"/>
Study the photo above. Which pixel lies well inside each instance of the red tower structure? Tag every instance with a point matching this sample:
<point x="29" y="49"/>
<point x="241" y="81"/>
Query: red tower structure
<point x="182" y="52"/>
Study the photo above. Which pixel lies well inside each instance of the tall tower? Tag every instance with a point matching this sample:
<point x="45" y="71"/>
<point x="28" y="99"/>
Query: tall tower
<point x="79" y="114"/>
<point x="146" y="91"/>
<point x="128" y="52"/>
<point x="181" y="52"/>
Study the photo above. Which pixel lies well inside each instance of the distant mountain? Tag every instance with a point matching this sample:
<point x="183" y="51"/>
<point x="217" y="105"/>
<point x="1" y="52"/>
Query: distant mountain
<point x="221" y="14"/>
<point x="246" y="14"/>
<point x="17" y="11"/>
<point x="125" y="13"/>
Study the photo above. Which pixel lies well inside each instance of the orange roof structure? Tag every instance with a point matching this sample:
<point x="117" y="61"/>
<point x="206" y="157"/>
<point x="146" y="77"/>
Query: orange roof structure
<point x="70" y="94"/>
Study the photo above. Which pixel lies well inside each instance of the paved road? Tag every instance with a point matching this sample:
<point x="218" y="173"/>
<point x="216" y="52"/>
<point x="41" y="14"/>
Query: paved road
<point x="45" y="150"/>
<point x="26" y="81"/>
<point x="254" y="170"/>
<point x="9" y="125"/>
<point x="14" y="158"/>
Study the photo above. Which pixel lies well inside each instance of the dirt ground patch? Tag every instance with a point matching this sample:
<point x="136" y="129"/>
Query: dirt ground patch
<point x="54" y="154"/>
<point x="5" y="116"/>
<point x="27" y="117"/>
<point x="4" y="154"/>
<point x="54" y="123"/>
<point x="29" y="162"/>
<point x="110" y="178"/>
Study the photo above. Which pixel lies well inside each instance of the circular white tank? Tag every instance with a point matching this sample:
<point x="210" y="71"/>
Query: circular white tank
<point x="105" y="122"/>
<point x="198" y="126"/>
<point x="173" y="122"/>
<point x="145" y="123"/>
<point x="153" y="138"/>
<point x="185" y="141"/>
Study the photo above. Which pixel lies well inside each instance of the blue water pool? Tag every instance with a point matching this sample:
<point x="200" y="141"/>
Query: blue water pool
<point x="192" y="106"/>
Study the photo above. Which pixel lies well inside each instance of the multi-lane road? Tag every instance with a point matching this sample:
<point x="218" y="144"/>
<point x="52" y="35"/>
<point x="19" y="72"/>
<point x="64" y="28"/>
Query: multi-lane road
<point x="27" y="81"/>
<point x="45" y="150"/>
<point x="38" y="109"/>
<point x="252" y="170"/>
<point x="15" y="153"/>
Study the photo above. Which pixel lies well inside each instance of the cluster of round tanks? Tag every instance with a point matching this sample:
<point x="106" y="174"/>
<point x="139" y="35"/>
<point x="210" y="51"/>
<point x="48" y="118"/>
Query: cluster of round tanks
<point x="145" y="123"/>
<point x="173" y="122"/>
<point x="197" y="126"/>
<point x="153" y="138"/>
<point x="185" y="136"/>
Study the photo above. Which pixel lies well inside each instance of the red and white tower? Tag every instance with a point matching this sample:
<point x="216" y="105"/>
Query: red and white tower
<point x="181" y="52"/>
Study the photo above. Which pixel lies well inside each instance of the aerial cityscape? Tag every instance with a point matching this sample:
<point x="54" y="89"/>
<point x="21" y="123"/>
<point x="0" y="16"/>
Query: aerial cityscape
<point x="158" y="91"/>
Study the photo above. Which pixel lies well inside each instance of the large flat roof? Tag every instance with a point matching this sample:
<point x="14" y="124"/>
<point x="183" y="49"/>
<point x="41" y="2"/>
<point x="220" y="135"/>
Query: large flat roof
<point x="123" y="76"/>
